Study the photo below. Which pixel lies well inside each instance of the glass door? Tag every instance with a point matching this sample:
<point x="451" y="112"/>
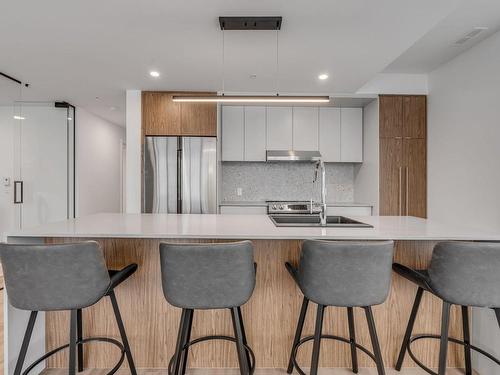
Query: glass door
<point x="43" y="163"/>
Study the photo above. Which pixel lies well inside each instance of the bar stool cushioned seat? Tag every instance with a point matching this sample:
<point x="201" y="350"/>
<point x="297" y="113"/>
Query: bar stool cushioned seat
<point x="343" y="274"/>
<point x="62" y="277"/>
<point x="208" y="276"/>
<point x="460" y="273"/>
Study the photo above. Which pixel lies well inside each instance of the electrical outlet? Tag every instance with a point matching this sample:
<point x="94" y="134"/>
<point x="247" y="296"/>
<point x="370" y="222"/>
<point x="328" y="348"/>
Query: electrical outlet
<point x="239" y="192"/>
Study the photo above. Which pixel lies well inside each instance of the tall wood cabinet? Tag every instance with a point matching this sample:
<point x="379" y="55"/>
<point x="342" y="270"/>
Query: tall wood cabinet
<point x="162" y="116"/>
<point x="403" y="155"/>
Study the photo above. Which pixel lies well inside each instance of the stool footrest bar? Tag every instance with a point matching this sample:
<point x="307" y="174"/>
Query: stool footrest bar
<point x="215" y="337"/>
<point x="330" y="337"/>
<point x="84" y="341"/>
<point x="450" y="339"/>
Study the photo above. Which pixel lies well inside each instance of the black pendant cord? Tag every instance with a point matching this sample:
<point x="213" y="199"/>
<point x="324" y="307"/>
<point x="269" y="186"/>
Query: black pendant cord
<point x="13" y="79"/>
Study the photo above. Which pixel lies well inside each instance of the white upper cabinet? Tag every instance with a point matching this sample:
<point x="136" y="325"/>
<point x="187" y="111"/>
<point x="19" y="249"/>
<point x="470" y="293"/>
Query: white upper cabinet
<point x="279" y="128"/>
<point x="255" y="133"/>
<point x="305" y="128"/>
<point x="233" y="133"/>
<point x="351" y="135"/>
<point x="329" y="134"/>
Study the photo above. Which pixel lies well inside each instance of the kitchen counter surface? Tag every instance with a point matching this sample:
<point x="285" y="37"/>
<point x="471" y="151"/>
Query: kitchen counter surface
<point x="264" y="203"/>
<point x="249" y="227"/>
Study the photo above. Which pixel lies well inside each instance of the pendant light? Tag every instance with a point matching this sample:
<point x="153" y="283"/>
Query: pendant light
<point x="251" y="23"/>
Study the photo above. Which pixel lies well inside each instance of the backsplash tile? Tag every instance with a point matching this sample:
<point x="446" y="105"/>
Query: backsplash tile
<point x="285" y="181"/>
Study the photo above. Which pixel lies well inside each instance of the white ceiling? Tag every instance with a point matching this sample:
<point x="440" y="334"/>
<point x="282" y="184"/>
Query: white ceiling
<point x="438" y="45"/>
<point x="80" y="50"/>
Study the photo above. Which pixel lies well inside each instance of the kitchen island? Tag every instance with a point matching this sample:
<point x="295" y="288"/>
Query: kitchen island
<point x="270" y="315"/>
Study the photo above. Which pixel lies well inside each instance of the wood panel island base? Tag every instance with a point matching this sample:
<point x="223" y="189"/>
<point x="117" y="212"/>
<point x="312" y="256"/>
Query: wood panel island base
<point x="271" y="314"/>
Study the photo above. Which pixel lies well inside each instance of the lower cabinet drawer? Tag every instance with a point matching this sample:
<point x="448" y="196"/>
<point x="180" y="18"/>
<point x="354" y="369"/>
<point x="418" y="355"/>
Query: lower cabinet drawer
<point x="349" y="211"/>
<point x="243" y="210"/>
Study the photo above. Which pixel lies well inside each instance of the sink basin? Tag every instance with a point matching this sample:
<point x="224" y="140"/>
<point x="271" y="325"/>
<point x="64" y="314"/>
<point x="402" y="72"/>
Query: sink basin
<point x="314" y="221"/>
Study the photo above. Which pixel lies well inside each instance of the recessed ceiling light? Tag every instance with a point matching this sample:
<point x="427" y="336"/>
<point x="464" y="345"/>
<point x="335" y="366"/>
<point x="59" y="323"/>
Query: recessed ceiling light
<point x="69" y="119"/>
<point x="19" y="118"/>
<point x="154" y="73"/>
<point x="323" y="76"/>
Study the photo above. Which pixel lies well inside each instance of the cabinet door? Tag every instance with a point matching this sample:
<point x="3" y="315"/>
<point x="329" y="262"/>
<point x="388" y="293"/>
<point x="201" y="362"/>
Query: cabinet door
<point x="160" y="115"/>
<point x="199" y="119"/>
<point x="351" y="135"/>
<point x="255" y="133"/>
<point x="391" y="177"/>
<point x="305" y="128"/>
<point x="391" y="116"/>
<point x="329" y="134"/>
<point x="415" y="116"/>
<point x="415" y="161"/>
<point x="279" y="128"/>
<point x="232" y="133"/>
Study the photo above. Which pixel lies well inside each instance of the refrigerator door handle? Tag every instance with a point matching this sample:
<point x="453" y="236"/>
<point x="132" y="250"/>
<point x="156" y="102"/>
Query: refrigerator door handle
<point x="179" y="175"/>
<point x="18" y="192"/>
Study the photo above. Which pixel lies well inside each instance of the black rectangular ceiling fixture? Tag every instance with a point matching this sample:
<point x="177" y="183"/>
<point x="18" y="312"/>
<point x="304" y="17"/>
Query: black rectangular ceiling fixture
<point x="250" y="23"/>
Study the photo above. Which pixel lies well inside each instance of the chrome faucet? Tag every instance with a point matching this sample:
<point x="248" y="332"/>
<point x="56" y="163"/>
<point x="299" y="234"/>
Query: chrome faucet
<point x="322" y="214"/>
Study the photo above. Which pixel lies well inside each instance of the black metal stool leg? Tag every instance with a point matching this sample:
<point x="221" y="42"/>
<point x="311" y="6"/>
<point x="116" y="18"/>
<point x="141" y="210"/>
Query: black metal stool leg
<point x="497" y="314"/>
<point x="317" y="339"/>
<point x="72" y="343"/>
<point x="409" y="328"/>
<point x="26" y="342"/>
<point x="180" y="342"/>
<point x="242" y="359"/>
<point x="298" y="332"/>
<point x="244" y="335"/>
<point x="79" y="334"/>
<point x="466" y="332"/>
<point x="443" y="347"/>
<point x="376" y="346"/>
<point x="352" y="339"/>
<point x="187" y="337"/>
<point x="123" y="334"/>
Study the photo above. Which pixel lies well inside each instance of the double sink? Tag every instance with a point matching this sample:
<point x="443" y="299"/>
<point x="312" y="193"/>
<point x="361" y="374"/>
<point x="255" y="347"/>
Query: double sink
<point x="314" y="221"/>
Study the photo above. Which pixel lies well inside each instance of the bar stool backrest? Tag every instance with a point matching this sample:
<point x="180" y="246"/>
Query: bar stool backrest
<point x="345" y="273"/>
<point x="467" y="273"/>
<point x="207" y="276"/>
<point x="54" y="277"/>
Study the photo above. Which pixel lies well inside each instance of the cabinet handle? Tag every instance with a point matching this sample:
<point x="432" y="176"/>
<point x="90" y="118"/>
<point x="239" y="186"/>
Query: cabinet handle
<point x="407" y="190"/>
<point x="400" y="191"/>
<point x="18" y="192"/>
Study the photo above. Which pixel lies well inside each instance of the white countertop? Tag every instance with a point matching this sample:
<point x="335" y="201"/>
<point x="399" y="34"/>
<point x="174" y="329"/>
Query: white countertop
<point x="264" y="203"/>
<point x="249" y="227"/>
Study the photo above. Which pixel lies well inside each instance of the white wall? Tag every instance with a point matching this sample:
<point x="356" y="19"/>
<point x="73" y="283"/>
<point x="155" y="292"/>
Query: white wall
<point x="133" y="178"/>
<point x="366" y="174"/>
<point x="6" y="169"/>
<point x="464" y="156"/>
<point x="396" y="83"/>
<point x="98" y="164"/>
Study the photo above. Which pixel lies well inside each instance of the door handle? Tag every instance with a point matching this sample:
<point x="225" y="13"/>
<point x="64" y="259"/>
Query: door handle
<point x="400" y="191"/>
<point x="18" y="192"/>
<point x="407" y="189"/>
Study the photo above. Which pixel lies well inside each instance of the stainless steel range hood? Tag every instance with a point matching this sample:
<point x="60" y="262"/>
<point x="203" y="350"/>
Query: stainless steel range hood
<point x="290" y="155"/>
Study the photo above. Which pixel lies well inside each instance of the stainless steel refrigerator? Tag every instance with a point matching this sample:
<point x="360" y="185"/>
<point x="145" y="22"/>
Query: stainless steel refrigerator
<point x="180" y="175"/>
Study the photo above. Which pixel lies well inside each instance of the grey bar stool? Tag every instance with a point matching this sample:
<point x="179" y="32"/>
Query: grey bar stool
<point x="207" y="277"/>
<point x="461" y="273"/>
<point x="63" y="277"/>
<point x="343" y="274"/>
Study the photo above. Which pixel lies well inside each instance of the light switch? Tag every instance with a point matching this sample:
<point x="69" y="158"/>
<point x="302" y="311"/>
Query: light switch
<point x="239" y="192"/>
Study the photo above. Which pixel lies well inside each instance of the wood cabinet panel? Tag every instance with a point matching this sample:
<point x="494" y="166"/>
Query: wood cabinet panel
<point x="390" y="116"/>
<point x="415" y="116"/>
<point x="160" y="115"/>
<point x="391" y="177"/>
<point x="415" y="163"/>
<point x="199" y="119"/>
<point x="305" y="128"/>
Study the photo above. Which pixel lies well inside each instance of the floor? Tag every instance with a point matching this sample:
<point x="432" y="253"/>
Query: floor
<point x="325" y="371"/>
